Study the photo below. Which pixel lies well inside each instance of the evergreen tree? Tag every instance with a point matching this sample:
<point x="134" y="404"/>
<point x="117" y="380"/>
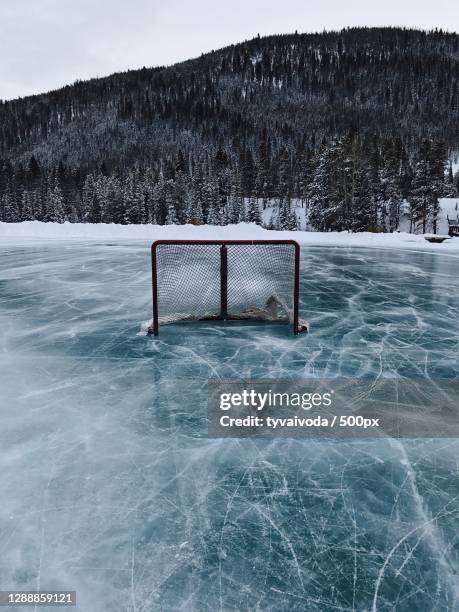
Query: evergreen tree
<point x="438" y="159"/>
<point x="55" y="204"/>
<point x="247" y="168"/>
<point x="193" y="205"/>
<point x="305" y="172"/>
<point x="116" y="214"/>
<point x="180" y="191"/>
<point x="26" y="207"/>
<point x="134" y="202"/>
<point x="285" y="175"/>
<point x="293" y="222"/>
<point x="214" y="216"/>
<point x="389" y="195"/>
<point x="211" y="201"/>
<point x="364" y="213"/>
<point x="234" y="208"/>
<point x="262" y="171"/>
<point x="283" y="220"/>
<point x="10" y="208"/>
<point x="172" y="218"/>
<point x="161" y="202"/>
<point x="91" y="205"/>
<point x="153" y="192"/>
<point x="428" y="181"/>
<point x="235" y="203"/>
<point x="33" y="172"/>
<point x="323" y="191"/>
<point x="253" y="211"/>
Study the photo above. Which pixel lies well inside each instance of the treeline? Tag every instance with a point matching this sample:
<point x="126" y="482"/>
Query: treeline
<point x="353" y="183"/>
<point x="362" y="187"/>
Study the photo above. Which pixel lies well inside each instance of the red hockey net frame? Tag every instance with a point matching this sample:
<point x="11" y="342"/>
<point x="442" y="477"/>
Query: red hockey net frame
<point x="223" y="253"/>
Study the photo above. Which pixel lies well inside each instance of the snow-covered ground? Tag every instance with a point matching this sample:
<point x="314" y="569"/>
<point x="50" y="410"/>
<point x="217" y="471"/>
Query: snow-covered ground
<point x="35" y="230"/>
<point x="102" y="231"/>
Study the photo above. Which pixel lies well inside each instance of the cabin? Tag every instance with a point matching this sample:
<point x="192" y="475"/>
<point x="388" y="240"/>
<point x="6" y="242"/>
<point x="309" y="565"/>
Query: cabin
<point x="453" y="226"/>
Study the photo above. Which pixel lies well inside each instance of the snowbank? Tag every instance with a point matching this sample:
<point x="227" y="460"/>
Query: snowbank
<point x="245" y="231"/>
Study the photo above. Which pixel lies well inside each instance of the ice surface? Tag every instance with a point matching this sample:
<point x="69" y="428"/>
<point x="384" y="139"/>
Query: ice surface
<point x="110" y="487"/>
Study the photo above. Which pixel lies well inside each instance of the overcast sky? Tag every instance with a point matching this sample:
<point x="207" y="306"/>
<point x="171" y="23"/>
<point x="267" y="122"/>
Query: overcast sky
<point x="45" y="44"/>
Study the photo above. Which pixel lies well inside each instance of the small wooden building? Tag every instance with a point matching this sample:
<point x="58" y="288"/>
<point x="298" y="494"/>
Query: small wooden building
<point x="453" y="226"/>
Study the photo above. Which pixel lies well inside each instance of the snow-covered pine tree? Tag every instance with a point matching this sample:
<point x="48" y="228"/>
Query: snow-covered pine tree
<point x="160" y="202"/>
<point x="41" y="201"/>
<point x="253" y="211"/>
<point x="262" y="171"/>
<point x="305" y="172"/>
<point x="211" y="201"/>
<point x="10" y="208"/>
<point x="193" y="205"/>
<point x="350" y="203"/>
<point x="322" y="193"/>
<point x="451" y="188"/>
<point x="35" y="197"/>
<point x="235" y="201"/>
<point x="171" y="218"/>
<point x="152" y="202"/>
<point x="103" y="193"/>
<point x="116" y="205"/>
<point x="285" y="175"/>
<point x="364" y="212"/>
<point x="148" y="187"/>
<point x="438" y="161"/>
<point x="180" y="191"/>
<point x="354" y="207"/>
<point x="293" y="224"/>
<point x="423" y="195"/>
<point x="284" y="214"/>
<point x="91" y="207"/>
<point x="134" y="201"/>
<point x="26" y="206"/>
<point x="388" y="195"/>
<point x="247" y="169"/>
<point x="236" y="212"/>
<point x="55" y="203"/>
<point x="214" y="216"/>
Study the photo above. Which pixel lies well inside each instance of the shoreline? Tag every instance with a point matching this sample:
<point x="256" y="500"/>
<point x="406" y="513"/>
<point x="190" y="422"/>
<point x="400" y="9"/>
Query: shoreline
<point x="28" y="231"/>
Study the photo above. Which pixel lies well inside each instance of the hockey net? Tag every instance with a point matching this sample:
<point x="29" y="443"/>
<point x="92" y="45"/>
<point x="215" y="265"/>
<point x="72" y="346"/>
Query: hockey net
<point x="225" y="280"/>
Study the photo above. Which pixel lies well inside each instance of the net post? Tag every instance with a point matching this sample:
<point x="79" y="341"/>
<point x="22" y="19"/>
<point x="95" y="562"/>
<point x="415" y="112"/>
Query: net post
<point x="223" y="282"/>
<point x="296" y="289"/>
<point x="154" y="275"/>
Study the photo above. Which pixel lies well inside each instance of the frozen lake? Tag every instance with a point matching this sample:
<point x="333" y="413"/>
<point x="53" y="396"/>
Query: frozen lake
<point x="110" y="487"/>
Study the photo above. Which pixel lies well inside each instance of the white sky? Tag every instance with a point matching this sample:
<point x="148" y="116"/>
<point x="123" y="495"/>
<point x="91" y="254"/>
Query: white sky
<point x="45" y="44"/>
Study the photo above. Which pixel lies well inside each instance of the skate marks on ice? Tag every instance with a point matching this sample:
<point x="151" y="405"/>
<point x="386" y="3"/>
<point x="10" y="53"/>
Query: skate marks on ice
<point x="110" y="486"/>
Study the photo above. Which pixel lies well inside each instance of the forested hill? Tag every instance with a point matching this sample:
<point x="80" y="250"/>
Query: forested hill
<point x="252" y="117"/>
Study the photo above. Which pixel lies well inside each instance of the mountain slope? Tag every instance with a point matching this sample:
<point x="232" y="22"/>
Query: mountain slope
<point x="299" y="89"/>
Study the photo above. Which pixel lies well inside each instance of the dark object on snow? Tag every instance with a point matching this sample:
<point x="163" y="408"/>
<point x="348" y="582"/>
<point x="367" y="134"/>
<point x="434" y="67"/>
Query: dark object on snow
<point x="436" y="239"/>
<point x="453" y="227"/>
